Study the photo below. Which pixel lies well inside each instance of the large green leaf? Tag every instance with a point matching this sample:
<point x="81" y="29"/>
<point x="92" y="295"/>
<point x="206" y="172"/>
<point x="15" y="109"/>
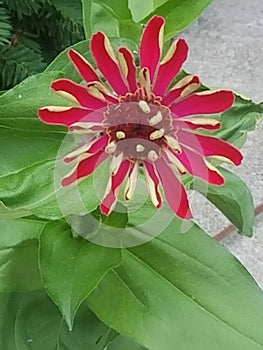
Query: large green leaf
<point x="19" y="254"/>
<point x="182" y="289"/>
<point x="19" y="267"/>
<point x="72" y="267"/>
<point x="28" y="158"/>
<point x="244" y="116"/>
<point x="31" y="321"/>
<point x="16" y="231"/>
<point x="140" y="9"/>
<point x="124" y="343"/>
<point x="233" y="199"/>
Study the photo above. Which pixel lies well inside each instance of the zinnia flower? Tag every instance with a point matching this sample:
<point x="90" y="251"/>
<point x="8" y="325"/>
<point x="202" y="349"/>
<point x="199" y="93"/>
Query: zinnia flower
<point x="140" y="119"/>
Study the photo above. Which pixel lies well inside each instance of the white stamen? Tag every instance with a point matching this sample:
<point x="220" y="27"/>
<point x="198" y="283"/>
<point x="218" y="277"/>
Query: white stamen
<point x="131" y="182"/>
<point x="157" y="118"/>
<point x="179" y="167"/>
<point x="151" y="188"/>
<point x="144" y="106"/>
<point x="111" y="147"/>
<point x="120" y="135"/>
<point x="116" y="163"/>
<point x="173" y="143"/>
<point x="157" y="134"/>
<point x="153" y="156"/>
<point x="140" y="148"/>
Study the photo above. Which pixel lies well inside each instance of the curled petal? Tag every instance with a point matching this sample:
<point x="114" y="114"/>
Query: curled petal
<point x="89" y="148"/>
<point x="63" y="115"/>
<point x="85" y="167"/>
<point x="208" y="102"/>
<point x="152" y="183"/>
<point x="107" y="62"/>
<point x="211" y="146"/>
<point x="84" y="68"/>
<point x="151" y="45"/>
<point x="183" y="88"/>
<point x="197" y="166"/>
<point x="79" y="92"/>
<point x="128" y="67"/>
<point x="116" y="180"/>
<point x="175" y="192"/>
<point x="170" y="66"/>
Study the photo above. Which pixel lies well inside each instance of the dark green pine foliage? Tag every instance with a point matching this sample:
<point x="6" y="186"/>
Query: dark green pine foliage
<point x="32" y="33"/>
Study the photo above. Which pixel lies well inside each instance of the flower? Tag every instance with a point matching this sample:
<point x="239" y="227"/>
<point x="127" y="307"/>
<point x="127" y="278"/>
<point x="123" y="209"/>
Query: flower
<point x="142" y="120"/>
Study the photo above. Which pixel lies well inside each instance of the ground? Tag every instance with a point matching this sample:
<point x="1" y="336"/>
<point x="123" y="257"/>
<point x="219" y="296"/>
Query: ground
<point x="226" y="45"/>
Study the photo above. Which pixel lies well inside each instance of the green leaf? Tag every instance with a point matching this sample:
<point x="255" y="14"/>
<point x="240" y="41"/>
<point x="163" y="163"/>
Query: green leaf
<point x="244" y="116"/>
<point x="19" y="254"/>
<point x="19" y="268"/>
<point x="233" y="199"/>
<point x="178" y="14"/>
<point x="140" y="9"/>
<point x="27" y="177"/>
<point x="6" y="213"/>
<point x="124" y="343"/>
<point x="86" y="13"/>
<point x="182" y="289"/>
<point x="32" y="321"/>
<point x="16" y="231"/>
<point x="72" y="267"/>
<point x="121" y="19"/>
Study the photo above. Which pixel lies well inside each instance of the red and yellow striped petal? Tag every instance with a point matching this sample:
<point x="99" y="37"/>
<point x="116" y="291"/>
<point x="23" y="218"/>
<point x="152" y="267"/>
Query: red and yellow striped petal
<point x="197" y="123"/>
<point x="64" y="115"/>
<point x="211" y="146"/>
<point x="85" y="69"/>
<point x="128" y="67"/>
<point x="107" y="62"/>
<point x="151" y="45"/>
<point x="79" y="92"/>
<point x="152" y="182"/>
<point x="85" y="168"/>
<point x="183" y="88"/>
<point x="207" y="102"/>
<point x="197" y="166"/>
<point x="175" y="192"/>
<point x="116" y="180"/>
<point x="170" y="66"/>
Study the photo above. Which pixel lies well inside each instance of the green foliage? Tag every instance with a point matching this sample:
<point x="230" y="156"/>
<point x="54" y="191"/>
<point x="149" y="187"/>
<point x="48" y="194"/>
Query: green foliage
<point x="5" y="27"/>
<point x="182" y="289"/>
<point x="32" y="33"/>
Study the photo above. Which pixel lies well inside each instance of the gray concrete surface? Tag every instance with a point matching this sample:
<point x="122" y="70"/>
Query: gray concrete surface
<point x="226" y="45"/>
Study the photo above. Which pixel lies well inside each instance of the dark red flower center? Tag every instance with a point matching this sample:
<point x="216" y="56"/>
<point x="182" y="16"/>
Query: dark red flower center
<point x="138" y="126"/>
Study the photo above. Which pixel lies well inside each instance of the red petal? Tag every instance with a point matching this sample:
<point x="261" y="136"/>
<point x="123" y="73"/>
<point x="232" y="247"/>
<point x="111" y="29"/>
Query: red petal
<point x="107" y="62"/>
<point x="200" y="103"/>
<point x="85" y="168"/>
<point x="152" y="173"/>
<point x="196" y="166"/>
<point x="171" y="66"/>
<point x="175" y="192"/>
<point x="110" y="199"/>
<point x="211" y="146"/>
<point x="180" y="88"/>
<point x="131" y="77"/>
<point x="84" y="68"/>
<point x="151" y="45"/>
<point x="79" y="92"/>
<point x="64" y="117"/>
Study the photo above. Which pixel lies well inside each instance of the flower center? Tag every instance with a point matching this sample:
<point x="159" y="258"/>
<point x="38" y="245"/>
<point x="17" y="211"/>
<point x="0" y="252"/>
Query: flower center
<point x="138" y="126"/>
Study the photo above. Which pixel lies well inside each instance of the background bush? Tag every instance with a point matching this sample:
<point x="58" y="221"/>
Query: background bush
<point x="32" y="33"/>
